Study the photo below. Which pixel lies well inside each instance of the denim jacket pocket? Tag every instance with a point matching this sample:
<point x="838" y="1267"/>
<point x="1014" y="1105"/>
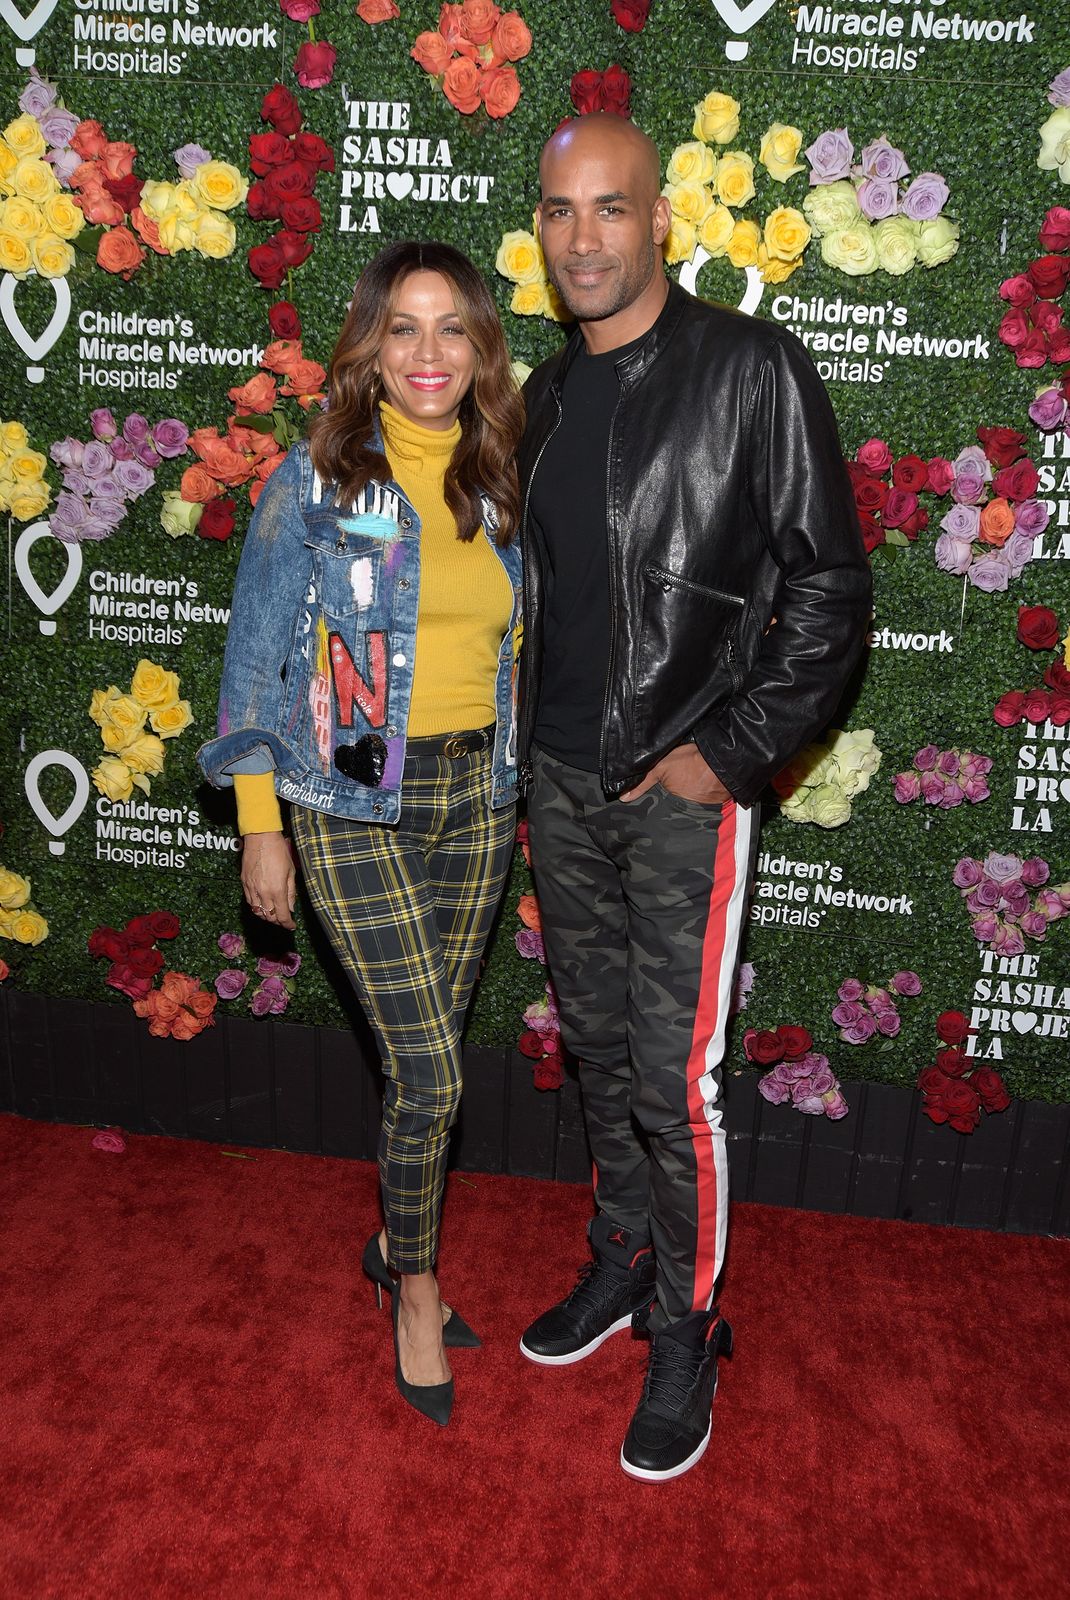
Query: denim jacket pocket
<point x="346" y="568"/>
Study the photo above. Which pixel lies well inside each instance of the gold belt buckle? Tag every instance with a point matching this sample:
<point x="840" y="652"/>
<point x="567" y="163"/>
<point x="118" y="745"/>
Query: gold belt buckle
<point x="455" y="746"/>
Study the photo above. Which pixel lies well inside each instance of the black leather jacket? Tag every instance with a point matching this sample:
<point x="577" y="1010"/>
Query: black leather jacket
<point x="740" y="586"/>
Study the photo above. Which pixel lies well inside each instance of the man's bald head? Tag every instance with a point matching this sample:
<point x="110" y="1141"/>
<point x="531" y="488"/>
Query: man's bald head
<point x="601" y="135"/>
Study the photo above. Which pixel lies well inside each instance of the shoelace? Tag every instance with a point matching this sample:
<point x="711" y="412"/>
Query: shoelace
<point x="595" y="1287"/>
<point x="670" y="1373"/>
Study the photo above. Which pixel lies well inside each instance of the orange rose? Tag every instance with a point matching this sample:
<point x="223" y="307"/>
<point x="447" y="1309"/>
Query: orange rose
<point x="254" y="491"/>
<point x="304" y="377"/>
<point x="98" y="206"/>
<point x="89" y="139"/>
<point x="88" y="172"/>
<point x="512" y="38"/>
<point x="377" y="10"/>
<point x="118" y="251"/>
<point x="527" y="909"/>
<point x="451" y="23"/>
<point x="432" y="53"/>
<point x="249" y="442"/>
<point x="117" y="159"/>
<point x="461" y="85"/>
<point x="265" y="468"/>
<point x="148" y="230"/>
<point x="198" y="485"/>
<point x="478" y="19"/>
<point x="281" y="355"/>
<point x="997" y="522"/>
<point x="258" y="395"/>
<point x="500" y="89"/>
<point x="307" y="401"/>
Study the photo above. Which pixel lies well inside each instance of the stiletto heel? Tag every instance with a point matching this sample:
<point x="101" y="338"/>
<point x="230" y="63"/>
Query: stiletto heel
<point x="456" y="1334"/>
<point x="434" y="1400"/>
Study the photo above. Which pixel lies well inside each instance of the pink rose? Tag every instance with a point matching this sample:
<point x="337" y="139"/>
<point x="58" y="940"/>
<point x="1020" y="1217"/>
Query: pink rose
<point x="875" y="456"/>
<point x="907" y="787"/>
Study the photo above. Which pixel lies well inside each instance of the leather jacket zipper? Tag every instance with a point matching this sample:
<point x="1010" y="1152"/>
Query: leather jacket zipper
<point x="613" y="552"/>
<point x="672" y="580"/>
<point x="525" y="773"/>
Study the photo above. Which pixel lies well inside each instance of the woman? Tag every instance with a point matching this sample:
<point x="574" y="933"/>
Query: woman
<point x="369" y="680"/>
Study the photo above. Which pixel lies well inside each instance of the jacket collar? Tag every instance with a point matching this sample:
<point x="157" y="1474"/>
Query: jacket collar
<point x="632" y="366"/>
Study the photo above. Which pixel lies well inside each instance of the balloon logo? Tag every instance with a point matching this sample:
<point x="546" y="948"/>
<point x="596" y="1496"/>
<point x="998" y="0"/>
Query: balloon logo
<point x="34" y="345"/>
<point x="57" y="826"/>
<point x="48" y="603"/>
<point x="752" y="294"/>
<point x="27" y="27"/>
<point x="738" y="18"/>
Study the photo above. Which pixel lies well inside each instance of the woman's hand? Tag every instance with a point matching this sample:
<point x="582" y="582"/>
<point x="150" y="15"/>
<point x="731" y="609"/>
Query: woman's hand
<point x="268" y="879"/>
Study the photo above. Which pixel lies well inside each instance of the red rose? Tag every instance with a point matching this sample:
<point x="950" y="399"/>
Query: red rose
<point x="1059" y="711"/>
<point x="1049" y="276"/>
<point x="915" y="524"/>
<point x="549" y="1073"/>
<point x="303" y="216"/>
<point x="267" y="264"/>
<point x="991" y="1089"/>
<point x="1046" y="316"/>
<point x="123" y="977"/>
<point x="314" y="64"/>
<point x="280" y="108"/>
<point x="1037" y="705"/>
<point x="941" y="475"/>
<point x="870" y="494"/>
<point x="314" y="152"/>
<point x="108" y="943"/>
<point x="1059" y="346"/>
<point x="217" y="520"/>
<point x="1018" y="292"/>
<point x="963" y="1105"/>
<point x="872" y="532"/>
<point x="268" y="150"/>
<point x="1034" y="350"/>
<point x="293" y="181"/>
<point x="953" y="1027"/>
<point x="1017" y="482"/>
<point x="262" y="203"/>
<point x="145" y="961"/>
<point x="1002" y="445"/>
<point x="631" y="14"/>
<point x="911" y="473"/>
<point x="293" y="247"/>
<point x="1055" y="229"/>
<point x="139" y="930"/>
<point x="763" y="1047"/>
<point x="1008" y="708"/>
<point x="530" y="1044"/>
<point x="899" y="507"/>
<point x="586" y="91"/>
<point x="794" y="1042"/>
<point x="126" y="192"/>
<point x="1014" y="328"/>
<point x="616" y="93"/>
<point x="1058" y="677"/>
<point x="284" y="320"/>
<point x="931" y="1080"/>
<point x="953" y="1062"/>
<point x="163" y="924"/>
<point x="1038" y="627"/>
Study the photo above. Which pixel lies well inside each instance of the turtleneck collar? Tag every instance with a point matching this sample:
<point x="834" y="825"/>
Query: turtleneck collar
<point x="419" y="447"/>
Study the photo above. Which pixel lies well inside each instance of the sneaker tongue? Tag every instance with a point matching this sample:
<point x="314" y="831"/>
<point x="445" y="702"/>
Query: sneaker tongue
<point x="614" y="1243"/>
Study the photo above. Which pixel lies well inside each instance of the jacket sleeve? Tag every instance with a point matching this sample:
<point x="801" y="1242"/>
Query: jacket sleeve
<point x="273" y="577"/>
<point x="805" y="510"/>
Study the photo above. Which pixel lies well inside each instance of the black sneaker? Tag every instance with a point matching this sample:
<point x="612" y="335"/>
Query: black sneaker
<point x="671" y="1426"/>
<point x="612" y="1288"/>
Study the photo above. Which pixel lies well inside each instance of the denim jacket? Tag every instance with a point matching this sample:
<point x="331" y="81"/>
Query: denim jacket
<point x="317" y="676"/>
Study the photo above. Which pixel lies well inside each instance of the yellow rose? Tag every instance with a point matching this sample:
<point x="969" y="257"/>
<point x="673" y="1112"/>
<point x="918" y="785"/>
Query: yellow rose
<point x="716" y="230"/>
<point x="717" y="119"/>
<point x="27" y="465"/>
<point x="98" y="706"/>
<point x="113" y="778"/>
<point x="520" y="257"/>
<point x="530" y="300"/>
<point x="145" y="754"/>
<point x="175" y="234"/>
<point x="8" y="162"/>
<point x="154" y="687"/>
<point x="53" y="257"/>
<point x="743" y="246"/>
<point x="219" y="185"/>
<point x="786" y="233"/>
<point x="691" y="163"/>
<point x="28" y="927"/>
<point x="15" y="255"/>
<point x="123" y="718"/>
<point x="772" y="269"/>
<point x="734" y="182"/>
<point x="27" y="500"/>
<point x="23" y="137"/>
<point x="185" y="202"/>
<point x="214" y="236"/>
<point x="852" y="250"/>
<point x="779" y="153"/>
<point x="691" y="201"/>
<point x="7" y="489"/>
<point x="680" y="241"/>
<point x="170" y="721"/>
<point x="62" y="216"/>
<point x="14" y="889"/>
<point x="156" y="198"/>
<point x="13" y="436"/>
<point x="22" y="218"/>
<point x="34" y="180"/>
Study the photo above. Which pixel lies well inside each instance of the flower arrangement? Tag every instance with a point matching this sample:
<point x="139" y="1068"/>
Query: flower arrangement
<point x="997" y="894"/>
<point x="18" y="918"/>
<point x="868" y="1009"/>
<point x="610" y="91"/>
<point x="886" y="496"/>
<point x="819" y="785"/>
<point x="868" y="216"/>
<point x="988" y="535"/>
<point x="38" y="219"/>
<point x="798" y="1073"/>
<point x="951" y="1093"/>
<point x="471" y="55"/>
<point x="520" y="260"/>
<point x="1054" y="153"/>
<point x="102" y="476"/>
<point x="23" y="489"/>
<point x="270" y="997"/>
<point x="136" y="751"/>
<point x="180" y="1007"/>
<point x="1031" y="327"/>
<point x="1038" y="629"/>
<point x="286" y="163"/>
<point x="944" y="778"/>
<point x="314" y="62"/>
<point x="541" y="1041"/>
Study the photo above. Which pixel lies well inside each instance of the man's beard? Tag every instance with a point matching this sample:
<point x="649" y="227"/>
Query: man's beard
<point x="628" y="289"/>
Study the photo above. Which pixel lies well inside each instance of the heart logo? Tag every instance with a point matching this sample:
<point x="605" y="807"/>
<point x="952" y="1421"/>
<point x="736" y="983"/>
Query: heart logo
<point x="26" y="28"/>
<point x="1024" y="1021"/>
<point x="56" y="825"/>
<point x="752" y="293"/>
<point x="400" y="184"/>
<point x="48" y="603"/>
<point x="34" y="346"/>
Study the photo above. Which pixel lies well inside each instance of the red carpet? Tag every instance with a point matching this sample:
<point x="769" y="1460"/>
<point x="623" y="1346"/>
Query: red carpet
<point x="197" y="1399"/>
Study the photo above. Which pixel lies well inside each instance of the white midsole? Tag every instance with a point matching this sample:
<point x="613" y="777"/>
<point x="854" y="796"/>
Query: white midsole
<point x="577" y="1355"/>
<point x="673" y="1472"/>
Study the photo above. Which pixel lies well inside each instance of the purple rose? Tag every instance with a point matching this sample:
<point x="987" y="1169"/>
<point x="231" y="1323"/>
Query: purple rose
<point x="64" y="164"/>
<point x="1016" y="899"/>
<point x="926" y="197"/>
<point x="975" y="790"/>
<point x="907" y="787"/>
<point x="952" y="555"/>
<point x="529" y="944"/>
<point x="847" y="1013"/>
<point x="39" y="95"/>
<point x="170" y="437"/>
<point x="134" y="478"/>
<point x="851" y="989"/>
<point x="103" y="424"/>
<point x="878" y="198"/>
<point x="907" y="983"/>
<point x="952" y="796"/>
<point x="962" y="522"/>
<point x="1058" y="89"/>
<point x="835" y="1105"/>
<point x="67" y="452"/>
<point x="147" y="454"/>
<point x="108" y="513"/>
<point x="277" y="994"/>
<point x="968" y="488"/>
<point x="967" y="872"/>
<point x="991" y="574"/>
<point x="1003" y="868"/>
<point x="927" y="757"/>
<point x="290" y="964"/>
<point x="987" y="894"/>
<point x="1035" y="924"/>
<point x="1048" y="410"/>
<point x="58" y="127"/>
<point x="232" y="945"/>
<point x="230" y="982"/>
<point x="879" y="1000"/>
<point x="1019" y="552"/>
<point x="975" y="766"/>
<point x="772" y="1090"/>
<point x="949" y="762"/>
<point x="804" y="1100"/>
<point x="120" y="450"/>
<point x="268" y="967"/>
<point x="1035" y="872"/>
<point x="68" y="517"/>
<point x="830" y="156"/>
<point x="932" y="787"/>
<point x="882" y="160"/>
<point x="858" y="1032"/>
<point x="107" y="486"/>
<point x="96" y="459"/>
<point x="1031" y="517"/>
<point x="78" y="483"/>
<point x="260" y="1004"/>
<point x="1049" y="901"/>
<point x="135" y="429"/>
<point x="822" y="1079"/>
<point x="1008" y="940"/>
<point x="984" y="926"/>
<point x="189" y="157"/>
<point x="889" y="1023"/>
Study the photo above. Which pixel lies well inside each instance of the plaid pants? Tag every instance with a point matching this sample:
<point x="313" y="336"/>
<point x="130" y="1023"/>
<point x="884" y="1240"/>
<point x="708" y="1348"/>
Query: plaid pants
<point x="408" y="910"/>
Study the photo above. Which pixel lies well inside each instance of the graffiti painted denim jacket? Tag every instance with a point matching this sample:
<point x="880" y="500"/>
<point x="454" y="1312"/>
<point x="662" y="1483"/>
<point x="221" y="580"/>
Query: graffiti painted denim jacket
<point x="317" y="676"/>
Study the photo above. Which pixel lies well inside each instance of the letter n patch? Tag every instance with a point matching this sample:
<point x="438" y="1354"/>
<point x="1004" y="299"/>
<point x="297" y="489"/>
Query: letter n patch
<point x="367" y="693"/>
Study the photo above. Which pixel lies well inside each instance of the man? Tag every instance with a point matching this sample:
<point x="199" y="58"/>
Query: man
<point x="697" y="594"/>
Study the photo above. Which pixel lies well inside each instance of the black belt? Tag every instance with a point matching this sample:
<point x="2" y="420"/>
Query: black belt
<point x="452" y="745"/>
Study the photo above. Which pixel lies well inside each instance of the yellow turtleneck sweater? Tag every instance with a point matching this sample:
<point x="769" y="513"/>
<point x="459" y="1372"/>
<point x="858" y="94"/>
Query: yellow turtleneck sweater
<point x="464" y="611"/>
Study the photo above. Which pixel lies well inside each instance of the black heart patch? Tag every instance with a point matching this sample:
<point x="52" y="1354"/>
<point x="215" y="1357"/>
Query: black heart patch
<point x="364" y="761"/>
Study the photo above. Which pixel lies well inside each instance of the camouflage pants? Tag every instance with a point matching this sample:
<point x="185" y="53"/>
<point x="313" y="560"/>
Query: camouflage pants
<point x="642" y="908"/>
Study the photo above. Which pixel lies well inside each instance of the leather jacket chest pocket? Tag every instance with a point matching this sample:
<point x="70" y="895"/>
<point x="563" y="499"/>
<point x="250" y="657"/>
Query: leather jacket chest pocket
<point x="689" y="641"/>
<point x="347" y="565"/>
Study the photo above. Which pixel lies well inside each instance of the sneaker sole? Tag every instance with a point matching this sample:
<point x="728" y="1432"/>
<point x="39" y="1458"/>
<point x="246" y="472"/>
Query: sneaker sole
<point x="576" y="1355"/>
<point x="646" y="1476"/>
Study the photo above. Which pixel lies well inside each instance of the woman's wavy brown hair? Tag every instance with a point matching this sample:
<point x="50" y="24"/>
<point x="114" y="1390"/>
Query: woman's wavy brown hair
<point x="491" y="415"/>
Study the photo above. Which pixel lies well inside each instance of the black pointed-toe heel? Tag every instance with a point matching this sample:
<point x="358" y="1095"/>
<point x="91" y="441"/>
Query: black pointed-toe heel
<point x="434" y="1400"/>
<point x="456" y="1334"/>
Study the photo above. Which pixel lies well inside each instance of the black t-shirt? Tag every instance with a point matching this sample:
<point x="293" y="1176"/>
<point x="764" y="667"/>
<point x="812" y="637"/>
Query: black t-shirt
<point x="568" y="512"/>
